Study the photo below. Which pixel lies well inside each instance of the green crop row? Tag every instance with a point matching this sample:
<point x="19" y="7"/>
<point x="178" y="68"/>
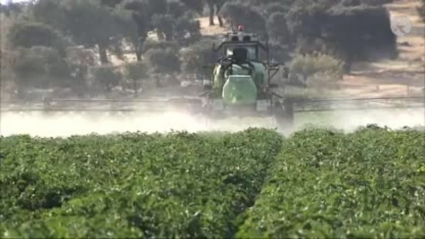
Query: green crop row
<point x="252" y="184"/>
<point x="134" y="185"/>
<point x="367" y="184"/>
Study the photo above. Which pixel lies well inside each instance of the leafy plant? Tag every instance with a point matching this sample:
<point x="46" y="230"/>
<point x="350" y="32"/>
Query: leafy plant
<point x="251" y="184"/>
<point x="325" y="184"/>
<point x="132" y="185"/>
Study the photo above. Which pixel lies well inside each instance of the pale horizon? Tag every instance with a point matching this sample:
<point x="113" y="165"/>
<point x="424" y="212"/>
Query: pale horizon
<point x="13" y="1"/>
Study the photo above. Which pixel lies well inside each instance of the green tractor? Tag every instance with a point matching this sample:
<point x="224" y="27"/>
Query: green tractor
<point x="241" y="82"/>
<point x="240" y="85"/>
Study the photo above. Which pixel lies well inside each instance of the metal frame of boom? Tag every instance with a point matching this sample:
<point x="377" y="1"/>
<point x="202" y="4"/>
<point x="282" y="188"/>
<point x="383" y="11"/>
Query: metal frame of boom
<point x="300" y="105"/>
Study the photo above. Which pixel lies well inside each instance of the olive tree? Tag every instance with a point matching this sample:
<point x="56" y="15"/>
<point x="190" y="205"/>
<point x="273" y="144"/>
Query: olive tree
<point x="86" y="22"/>
<point x="79" y="61"/>
<point x="163" y="61"/>
<point x="105" y="77"/>
<point x="134" y="73"/>
<point x="241" y="14"/>
<point x="316" y="70"/>
<point x="39" y="67"/>
<point x="197" y="57"/>
<point x="28" y="34"/>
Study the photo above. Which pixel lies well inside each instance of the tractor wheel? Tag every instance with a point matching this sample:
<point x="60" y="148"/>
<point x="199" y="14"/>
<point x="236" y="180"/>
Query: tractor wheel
<point x="284" y="115"/>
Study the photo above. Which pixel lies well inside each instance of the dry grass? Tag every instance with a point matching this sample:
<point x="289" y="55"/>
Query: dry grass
<point x="207" y="30"/>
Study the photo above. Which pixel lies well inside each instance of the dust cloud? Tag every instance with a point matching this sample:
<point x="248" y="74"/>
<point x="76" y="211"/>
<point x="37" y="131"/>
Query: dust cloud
<point x="73" y="123"/>
<point x="77" y="123"/>
<point x="350" y="121"/>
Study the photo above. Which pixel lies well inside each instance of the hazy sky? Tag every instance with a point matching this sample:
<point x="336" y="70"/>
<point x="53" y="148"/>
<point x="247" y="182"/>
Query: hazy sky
<point x="5" y="1"/>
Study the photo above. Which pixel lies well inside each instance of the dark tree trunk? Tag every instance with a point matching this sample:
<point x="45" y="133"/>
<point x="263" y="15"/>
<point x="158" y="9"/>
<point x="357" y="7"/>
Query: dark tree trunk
<point x="212" y="13"/>
<point x="139" y="47"/>
<point x="218" y="9"/>
<point x="158" y="81"/>
<point x="102" y="54"/>
<point x="220" y="21"/>
<point x="139" y="55"/>
<point x="135" y="88"/>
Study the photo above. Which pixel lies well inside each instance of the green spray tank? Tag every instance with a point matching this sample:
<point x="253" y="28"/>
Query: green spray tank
<point x="239" y="89"/>
<point x="241" y="81"/>
<point x="239" y="84"/>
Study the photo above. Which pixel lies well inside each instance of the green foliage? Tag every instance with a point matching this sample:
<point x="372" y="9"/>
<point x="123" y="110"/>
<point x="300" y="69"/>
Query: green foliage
<point x="317" y="70"/>
<point x="28" y="34"/>
<point x="107" y="77"/>
<point x="128" y="29"/>
<point x="12" y="8"/>
<point x="86" y="22"/>
<point x="134" y="73"/>
<point x="50" y="12"/>
<point x="179" y="185"/>
<point x="176" y="24"/>
<point x="177" y="9"/>
<point x="163" y="45"/>
<point x="277" y="28"/>
<point x="310" y="22"/>
<point x="164" y="24"/>
<point x="304" y="23"/>
<point x="40" y="66"/>
<point x="363" y="40"/>
<point x="116" y="27"/>
<point x="79" y="61"/>
<point x="251" y="184"/>
<point x="187" y="31"/>
<point x="241" y="14"/>
<point x="324" y="184"/>
<point x="196" y="57"/>
<point x="195" y="5"/>
<point x="163" y="60"/>
<point x="277" y="7"/>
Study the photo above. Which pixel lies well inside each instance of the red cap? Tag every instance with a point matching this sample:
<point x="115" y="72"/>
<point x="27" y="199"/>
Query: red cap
<point x="241" y="28"/>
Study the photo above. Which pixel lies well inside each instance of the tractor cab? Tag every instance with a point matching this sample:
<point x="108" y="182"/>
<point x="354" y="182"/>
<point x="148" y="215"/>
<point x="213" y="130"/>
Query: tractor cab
<point x="241" y="81"/>
<point x="250" y="52"/>
<point x="240" y="76"/>
<point x="240" y="39"/>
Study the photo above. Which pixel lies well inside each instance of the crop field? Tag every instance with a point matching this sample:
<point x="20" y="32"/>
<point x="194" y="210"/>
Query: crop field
<point x="249" y="184"/>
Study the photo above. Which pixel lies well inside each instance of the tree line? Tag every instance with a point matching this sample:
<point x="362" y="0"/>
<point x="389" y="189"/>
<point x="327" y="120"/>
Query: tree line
<point x="71" y="43"/>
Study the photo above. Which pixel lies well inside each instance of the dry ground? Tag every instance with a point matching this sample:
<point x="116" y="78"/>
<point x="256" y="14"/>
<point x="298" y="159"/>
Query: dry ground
<point x="207" y="30"/>
<point x="404" y="76"/>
